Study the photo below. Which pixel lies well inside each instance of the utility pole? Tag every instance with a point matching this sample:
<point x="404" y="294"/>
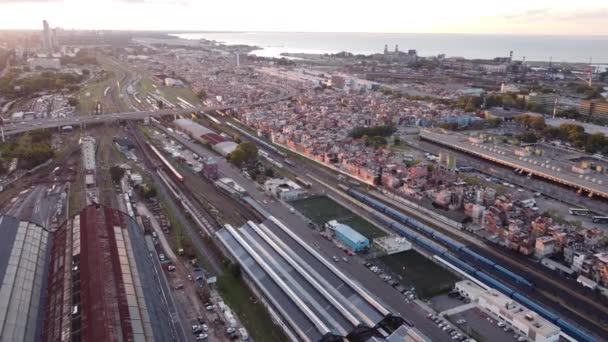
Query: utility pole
<point x="555" y="105"/>
<point x="2" y="128"/>
<point x="590" y="80"/>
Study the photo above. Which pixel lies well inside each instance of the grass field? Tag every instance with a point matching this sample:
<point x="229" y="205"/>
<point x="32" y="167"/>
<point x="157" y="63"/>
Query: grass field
<point x="428" y="278"/>
<point x="170" y="93"/>
<point x="251" y="312"/>
<point x="321" y="209"/>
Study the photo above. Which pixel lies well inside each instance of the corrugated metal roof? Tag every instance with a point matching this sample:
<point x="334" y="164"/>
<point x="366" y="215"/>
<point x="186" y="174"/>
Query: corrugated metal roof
<point x="225" y="148"/>
<point x="23" y="262"/>
<point x="350" y="233"/>
<point x="195" y="129"/>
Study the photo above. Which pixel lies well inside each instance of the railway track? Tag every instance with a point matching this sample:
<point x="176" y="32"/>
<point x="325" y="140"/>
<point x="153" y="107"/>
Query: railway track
<point x="588" y="311"/>
<point x="200" y="191"/>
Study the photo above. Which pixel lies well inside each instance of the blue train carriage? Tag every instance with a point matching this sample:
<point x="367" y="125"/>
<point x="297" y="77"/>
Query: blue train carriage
<point x="518" y="279"/>
<point x="459" y="263"/>
<point x="535" y="307"/>
<point x="573" y="331"/>
<point x="494" y="283"/>
<point x="477" y="257"/>
<point x="428" y="244"/>
<point x="456" y="246"/>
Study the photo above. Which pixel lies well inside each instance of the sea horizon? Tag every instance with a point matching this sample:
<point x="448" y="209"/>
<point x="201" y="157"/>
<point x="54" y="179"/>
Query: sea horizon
<point x="537" y="48"/>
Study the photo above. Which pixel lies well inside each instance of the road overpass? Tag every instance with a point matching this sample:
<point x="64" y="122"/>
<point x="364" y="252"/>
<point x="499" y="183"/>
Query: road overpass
<point x="25" y="126"/>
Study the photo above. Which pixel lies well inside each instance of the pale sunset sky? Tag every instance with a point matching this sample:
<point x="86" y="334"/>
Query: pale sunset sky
<point x="551" y="17"/>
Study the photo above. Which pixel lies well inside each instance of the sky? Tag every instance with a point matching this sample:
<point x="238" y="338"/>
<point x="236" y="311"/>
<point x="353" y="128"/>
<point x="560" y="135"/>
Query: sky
<point x="548" y="17"/>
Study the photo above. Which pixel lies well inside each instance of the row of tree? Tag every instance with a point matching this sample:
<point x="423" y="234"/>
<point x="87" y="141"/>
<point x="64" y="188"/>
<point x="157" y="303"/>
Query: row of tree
<point x="569" y="132"/>
<point x="31" y="149"/>
<point x="47" y="81"/>
<point x="81" y="58"/>
<point x="373" y="131"/>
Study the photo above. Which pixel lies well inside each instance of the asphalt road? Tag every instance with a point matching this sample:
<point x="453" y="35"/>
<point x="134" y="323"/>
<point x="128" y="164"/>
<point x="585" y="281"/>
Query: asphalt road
<point x="176" y="321"/>
<point x="558" y="192"/>
<point x="24" y="126"/>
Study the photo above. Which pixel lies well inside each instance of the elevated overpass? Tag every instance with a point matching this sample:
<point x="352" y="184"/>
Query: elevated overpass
<point x="25" y="126"/>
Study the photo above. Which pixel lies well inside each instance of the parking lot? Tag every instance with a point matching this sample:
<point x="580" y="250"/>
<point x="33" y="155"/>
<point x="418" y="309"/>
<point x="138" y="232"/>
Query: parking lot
<point x="482" y="327"/>
<point x="444" y="302"/>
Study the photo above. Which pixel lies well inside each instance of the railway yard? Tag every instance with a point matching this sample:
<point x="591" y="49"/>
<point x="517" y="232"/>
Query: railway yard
<point x="188" y="216"/>
<point x="243" y="235"/>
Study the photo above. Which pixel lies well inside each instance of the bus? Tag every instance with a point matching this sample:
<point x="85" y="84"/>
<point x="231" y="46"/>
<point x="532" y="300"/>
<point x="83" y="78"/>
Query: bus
<point x="599" y="219"/>
<point x="303" y="182"/>
<point x="579" y="212"/>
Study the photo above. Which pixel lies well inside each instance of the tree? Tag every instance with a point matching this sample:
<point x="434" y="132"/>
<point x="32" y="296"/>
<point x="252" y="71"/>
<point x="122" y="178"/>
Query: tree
<point x="148" y="192"/>
<point x="384" y="130"/>
<point x="269" y="173"/>
<point x="116" y="172"/>
<point x="494" y="122"/>
<point x="236" y="157"/>
<point x="86" y="72"/>
<point x="245" y="153"/>
<point x="537" y="122"/>
<point x="571" y="113"/>
<point x="202" y="94"/>
<point x="72" y="101"/>
<point x="596" y="142"/>
<point x="527" y="137"/>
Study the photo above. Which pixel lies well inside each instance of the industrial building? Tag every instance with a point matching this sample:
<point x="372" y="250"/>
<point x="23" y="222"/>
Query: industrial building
<point x="594" y="108"/>
<point x="102" y="284"/>
<point x="518" y="317"/>
<point x="392" y="244"/>
<point x="204" y="135"/>
<point x="44" y="63"/>
<point x="91" y="280"/>
<point x="284" y="189"/>
<point x="305" y="293"/>
<point x="23" y="262"/>
<point x="351" y="238"/>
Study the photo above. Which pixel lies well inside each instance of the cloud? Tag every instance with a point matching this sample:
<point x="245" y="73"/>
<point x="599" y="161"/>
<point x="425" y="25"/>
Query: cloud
<point x="154" y="2"/>
<point x="26" y="1"/>
<point x="529" y="14"/>
<point x="548" y="14"/>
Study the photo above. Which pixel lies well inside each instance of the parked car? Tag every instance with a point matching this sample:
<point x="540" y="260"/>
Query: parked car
<point x="201" y="337"/>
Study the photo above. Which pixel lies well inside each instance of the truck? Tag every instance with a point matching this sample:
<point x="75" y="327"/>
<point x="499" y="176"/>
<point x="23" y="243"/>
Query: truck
<point x="243" y="334"/>
<point x="528" y="203"/>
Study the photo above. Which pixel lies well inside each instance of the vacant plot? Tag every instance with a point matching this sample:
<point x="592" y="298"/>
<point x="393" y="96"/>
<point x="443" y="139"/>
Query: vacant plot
<point x="250" y="311"/>
<point x="321" y="209"/>
<point x="428" y="278"/>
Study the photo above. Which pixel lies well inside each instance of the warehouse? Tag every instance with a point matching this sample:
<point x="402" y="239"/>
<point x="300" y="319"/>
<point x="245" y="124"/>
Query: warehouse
<point x="204" y="135"/>
<point x="352" y="239"/>
<point x="101" y="261"/>
<point x="23" y="259"/>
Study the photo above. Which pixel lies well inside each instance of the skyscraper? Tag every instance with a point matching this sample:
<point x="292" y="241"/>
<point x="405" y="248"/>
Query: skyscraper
<point x="46" y="35"/>
<point x="49" y="37"/>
